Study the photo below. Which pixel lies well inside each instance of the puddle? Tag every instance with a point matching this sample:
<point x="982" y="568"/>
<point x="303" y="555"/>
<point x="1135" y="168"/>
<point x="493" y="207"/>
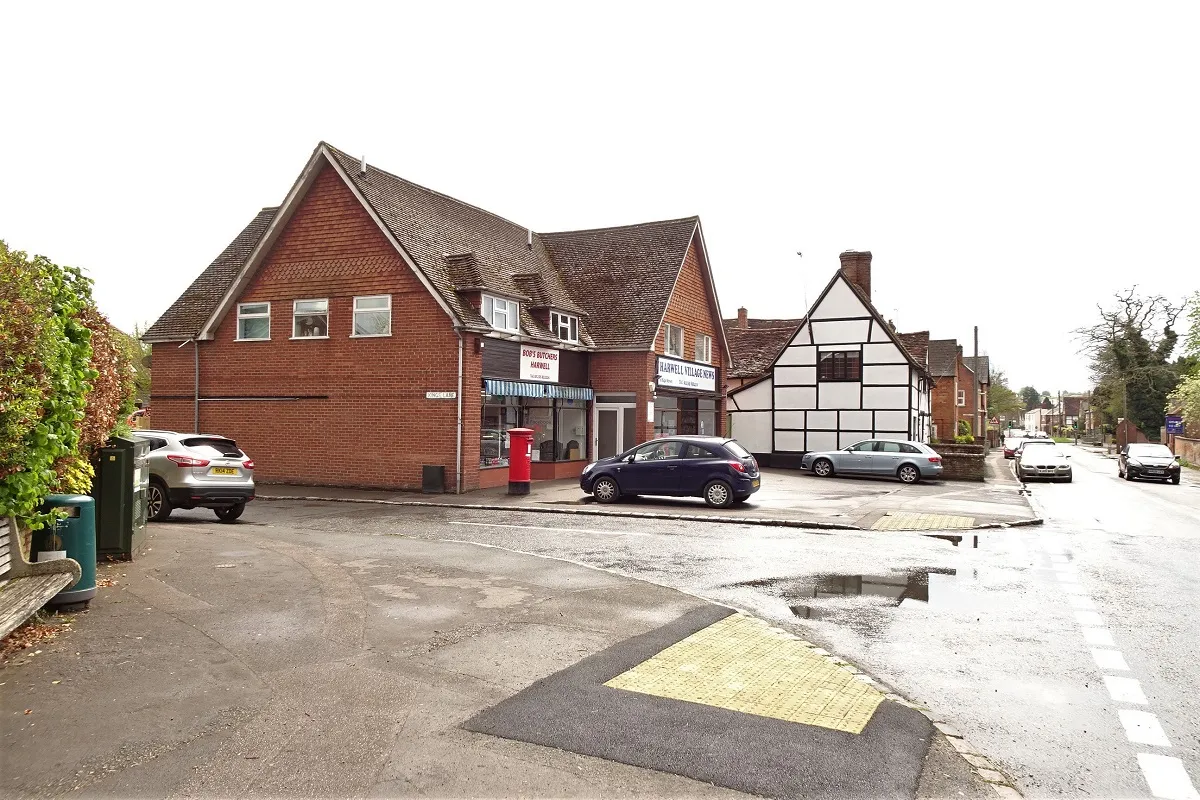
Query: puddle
<point x="894" y="588"/>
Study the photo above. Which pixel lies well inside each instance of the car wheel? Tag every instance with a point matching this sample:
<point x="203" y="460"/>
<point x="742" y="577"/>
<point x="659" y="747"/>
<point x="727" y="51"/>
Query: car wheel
<point x="718" y="494"/>
<point x="1128" y="475"/>
<point x="230" y="513"/>
<point x="1070" y="478"/>
<point x="908" y="474"/>
<point x="605" y="490"/>
<point x="158" y="503"/>
<point x="1175" y="480"/>
<point x="823" y="468"/>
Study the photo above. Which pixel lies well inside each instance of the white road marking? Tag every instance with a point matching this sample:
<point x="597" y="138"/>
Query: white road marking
<point x="1166" y="777"/>
<point x="1098" y="636"/>
<point x="1109" y="659"/>
<point x="1142" y="727"/>
<point x="1081" y="602"/>
<point x="1089" y="618"/>
<point x="540" y="528"/>
<point x="1125" y="690"/>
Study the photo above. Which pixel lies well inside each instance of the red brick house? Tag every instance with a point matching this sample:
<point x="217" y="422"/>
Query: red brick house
<point x="953" y="383"/>
<point x="368" y="327"/>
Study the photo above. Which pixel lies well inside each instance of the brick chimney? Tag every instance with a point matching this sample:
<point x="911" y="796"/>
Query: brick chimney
<point x="743" y="321"/>
<point x="857" y="267"/>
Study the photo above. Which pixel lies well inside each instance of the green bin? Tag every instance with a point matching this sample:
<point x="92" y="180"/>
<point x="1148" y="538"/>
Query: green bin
<point x="120" y="485"/>
<point x="72" y="536"/>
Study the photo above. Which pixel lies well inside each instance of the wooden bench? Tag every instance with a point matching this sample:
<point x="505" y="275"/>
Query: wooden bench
<point x="25" y="587"/>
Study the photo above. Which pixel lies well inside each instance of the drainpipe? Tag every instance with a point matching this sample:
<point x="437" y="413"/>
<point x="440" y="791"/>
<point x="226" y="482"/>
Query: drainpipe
<point x="458" y="444"/>
<point x="196" y="398"/>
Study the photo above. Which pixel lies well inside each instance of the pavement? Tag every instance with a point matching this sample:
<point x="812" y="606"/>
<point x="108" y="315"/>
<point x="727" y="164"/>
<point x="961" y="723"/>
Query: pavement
<point x="787" y="497"/>
<point x="321" y="649"/>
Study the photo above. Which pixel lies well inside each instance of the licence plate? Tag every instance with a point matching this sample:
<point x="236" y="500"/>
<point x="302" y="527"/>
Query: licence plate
<point x="223" y="471"/>
<point x="754" y="483"/>
<point x="1154" y="471"/>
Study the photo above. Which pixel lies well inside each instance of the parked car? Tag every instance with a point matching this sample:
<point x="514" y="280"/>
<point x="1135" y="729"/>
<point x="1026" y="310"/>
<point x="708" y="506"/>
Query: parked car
<point x="908" y="461"/>
<point x="719" y="470"/>
<point x="1044" y="463"/>
<point x="1031" y="443"/>
<point x="1152" y="461"/>
<point x="1011" y="443"/>
<point x="189" y="470"/>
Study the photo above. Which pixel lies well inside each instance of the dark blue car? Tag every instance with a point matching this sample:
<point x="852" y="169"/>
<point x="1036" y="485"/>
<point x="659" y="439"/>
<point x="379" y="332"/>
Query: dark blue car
<point x="719" y="470"/>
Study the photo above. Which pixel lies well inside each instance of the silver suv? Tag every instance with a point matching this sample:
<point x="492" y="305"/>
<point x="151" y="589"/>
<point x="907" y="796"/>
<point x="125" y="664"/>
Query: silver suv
<point x="189" y="470"/>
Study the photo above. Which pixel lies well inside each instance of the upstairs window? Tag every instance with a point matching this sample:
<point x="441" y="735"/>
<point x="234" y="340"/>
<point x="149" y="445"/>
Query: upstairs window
<point x="564" y="326"/>
<point x="373" y="315"/>
<point x="254" y="322"/>
<point x="673" y="341"/>
<point x="840" y="365"/>
<point x="310" y="319"/>
<point x="962" y="397"/>
<point x="503" y="315"/>
<point x="703" y="348"/>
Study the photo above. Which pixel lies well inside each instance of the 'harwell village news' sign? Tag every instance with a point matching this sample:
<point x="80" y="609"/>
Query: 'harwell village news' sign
<point x="538" y="364"/>
<point x="685" y="375"/>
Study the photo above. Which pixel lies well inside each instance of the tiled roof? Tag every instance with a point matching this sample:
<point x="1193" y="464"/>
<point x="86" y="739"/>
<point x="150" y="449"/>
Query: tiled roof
<point x="187" y="315"/>
<point x="985" y="367"/>
<point x="622" y="276"/>
<point x="917" y="345"/>
<point x="943" y="357"/>
<point x="755" y="347"/>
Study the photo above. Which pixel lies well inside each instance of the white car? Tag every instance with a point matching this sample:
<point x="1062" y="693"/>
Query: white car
<point x="1043" y="462"/>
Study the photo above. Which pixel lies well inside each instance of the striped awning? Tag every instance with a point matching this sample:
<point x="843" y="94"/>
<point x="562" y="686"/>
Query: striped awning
<point x="525" y="389"/>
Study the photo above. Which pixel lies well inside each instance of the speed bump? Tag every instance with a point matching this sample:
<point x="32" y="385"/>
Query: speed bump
<point x="742" y="664"/>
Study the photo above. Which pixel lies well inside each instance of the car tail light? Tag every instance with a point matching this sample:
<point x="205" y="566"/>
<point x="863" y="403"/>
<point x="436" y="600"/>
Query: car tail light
<point x="737" y="465"/>
<point x="248" y="463"/>
<point x="187" y="461"/>
<point x="935" y="459"/>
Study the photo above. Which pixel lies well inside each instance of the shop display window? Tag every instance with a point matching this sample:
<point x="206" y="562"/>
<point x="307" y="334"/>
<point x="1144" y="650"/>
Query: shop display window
<point x="500" y="414"/>
<point x="560" y="428"/>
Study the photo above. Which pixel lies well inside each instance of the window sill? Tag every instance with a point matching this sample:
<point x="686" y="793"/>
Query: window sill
<point x="253" y="340"/>
<point x="370" y="335"/>
<point x="295" y="338"/>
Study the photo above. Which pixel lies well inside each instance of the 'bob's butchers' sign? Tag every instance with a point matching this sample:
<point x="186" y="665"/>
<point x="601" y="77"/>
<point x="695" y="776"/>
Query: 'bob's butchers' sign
<point x="685" y="375"/>
<point x="539" y="364"/>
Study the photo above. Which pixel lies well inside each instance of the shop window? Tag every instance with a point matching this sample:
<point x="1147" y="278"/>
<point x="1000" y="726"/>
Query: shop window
<point x="560" y="428"/>
<point x="373" y="315"/>
<point x="840" y="365"/>
<point x="500" y="414"/>
<point x="703" y="348"/>
<point x="571" y="431"/>
<point x="564" y="326"/>
<point x="674" y="341"/>
<point x="538" y="415"/>
<point x="310" y="319"/>
<point x="501" y="314"/>
<point x="666" y="416"/>
<point x="706" y="417"/>
<point x="253" y="322"/>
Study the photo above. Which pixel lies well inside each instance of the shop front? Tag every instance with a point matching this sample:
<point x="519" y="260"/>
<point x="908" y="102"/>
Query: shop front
<point x="543" y="389"/>
<point x="686" y="400"/>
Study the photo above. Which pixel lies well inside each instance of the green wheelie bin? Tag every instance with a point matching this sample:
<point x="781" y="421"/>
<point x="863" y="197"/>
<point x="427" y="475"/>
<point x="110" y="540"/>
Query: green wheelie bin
<point x="72" y="536"/>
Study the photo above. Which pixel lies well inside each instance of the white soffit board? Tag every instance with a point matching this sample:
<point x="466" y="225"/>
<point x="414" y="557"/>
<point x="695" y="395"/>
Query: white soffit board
<point x="883" y="397"/>
<point x="850" y="331"/>
<point x="795" y="398"/>
<point x="791" y="419"/>
<point x="886" y="353"/>
<point x="796" y="376"/>
<point x="891" y="421"/>
<point x="840" y="395"/>
<point x="856" y="421"/>
<point x="885" y="373"/>
<point x="840" y="302"/>
<point x="755" y="398"/>
<point x="789" y="440"/>
<point x="823" y="420"/>
<point x="797" y="356"/>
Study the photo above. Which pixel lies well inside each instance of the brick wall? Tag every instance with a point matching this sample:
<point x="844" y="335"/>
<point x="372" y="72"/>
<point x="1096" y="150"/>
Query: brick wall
<point x="945" y="406"/>
<point x="367" y="422"/>
<point x="625" y="372"/>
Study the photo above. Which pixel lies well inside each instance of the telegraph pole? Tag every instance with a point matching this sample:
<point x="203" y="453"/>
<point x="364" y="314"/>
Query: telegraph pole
<point x="975" y="394"/>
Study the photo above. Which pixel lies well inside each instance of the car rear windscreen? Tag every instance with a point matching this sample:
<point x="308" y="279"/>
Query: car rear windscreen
<point x="737" y="449"/>
<point x="226" y="447"/>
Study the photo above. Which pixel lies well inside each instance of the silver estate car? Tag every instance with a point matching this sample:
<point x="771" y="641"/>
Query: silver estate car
<point x="189" y="470"/>
<point x="908" y="461"/>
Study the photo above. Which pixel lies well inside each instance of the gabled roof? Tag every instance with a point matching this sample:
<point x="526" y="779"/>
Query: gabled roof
<point x="186" y="316"/>
<point x="943" y="357"/>
<point x="753" y="349"/>
<point x="611" y="269"/>
<point x="981" y="366"/>
<point x="917" y="345"/>
<point x="879" y="320"/>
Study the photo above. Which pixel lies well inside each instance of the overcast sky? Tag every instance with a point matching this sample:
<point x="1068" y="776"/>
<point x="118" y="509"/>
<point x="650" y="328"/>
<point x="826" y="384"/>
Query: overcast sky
<point x="1009" y="165"/>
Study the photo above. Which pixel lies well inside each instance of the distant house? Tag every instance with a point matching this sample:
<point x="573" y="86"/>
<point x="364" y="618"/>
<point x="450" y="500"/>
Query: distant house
<point x="754" y="344"/>
<point x="953" y="382"/>
<point x="982" y="368"/>
<point x="844" y="376"/>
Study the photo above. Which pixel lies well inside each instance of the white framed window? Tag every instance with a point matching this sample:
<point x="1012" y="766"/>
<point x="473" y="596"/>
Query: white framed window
<point x="962" y="397"/>
<point x="501" y="314"/>
<point x="310" y="319"/>
<point x="564" y="326"/>
<point x="373" y="316"/>
<point x="703" y="348"/>
<point x="673" y="341"/>
<point x="253" y="322"/>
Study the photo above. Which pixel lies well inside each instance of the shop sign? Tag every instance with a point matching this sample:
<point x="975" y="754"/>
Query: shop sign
<point x="441" y="395"/>
<point x="686" y="375"/>
<point x="1175" y="424"/>
<point x="539" y="364"/>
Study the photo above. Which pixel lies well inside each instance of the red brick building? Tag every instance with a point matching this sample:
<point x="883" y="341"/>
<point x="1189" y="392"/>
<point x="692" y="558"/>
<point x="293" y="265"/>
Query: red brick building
<point x="953" y="383"/>
<point x="368" y="327"/>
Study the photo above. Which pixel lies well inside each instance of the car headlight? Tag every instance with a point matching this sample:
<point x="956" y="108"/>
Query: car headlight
<point x="588" y="468"/>
<point x="1133" y="462"/>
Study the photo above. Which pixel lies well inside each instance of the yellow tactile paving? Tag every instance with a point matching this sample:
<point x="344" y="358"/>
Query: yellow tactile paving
<point x="742" y="664"/>
<point x="909" y="521"/>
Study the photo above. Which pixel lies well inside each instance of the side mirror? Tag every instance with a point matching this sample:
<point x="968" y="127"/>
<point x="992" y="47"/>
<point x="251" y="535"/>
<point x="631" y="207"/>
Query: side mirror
<point x="629" y="458"/>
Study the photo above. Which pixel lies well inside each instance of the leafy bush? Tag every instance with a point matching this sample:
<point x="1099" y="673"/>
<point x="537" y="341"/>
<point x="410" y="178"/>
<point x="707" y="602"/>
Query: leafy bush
<point x="964" y="433"/>
<point x="968" y="439"/>
<point x="59" y="397"/>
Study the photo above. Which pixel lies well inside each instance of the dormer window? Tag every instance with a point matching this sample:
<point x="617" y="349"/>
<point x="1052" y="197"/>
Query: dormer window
<point x="564" y="326"/>
<point x="501" y="314"/>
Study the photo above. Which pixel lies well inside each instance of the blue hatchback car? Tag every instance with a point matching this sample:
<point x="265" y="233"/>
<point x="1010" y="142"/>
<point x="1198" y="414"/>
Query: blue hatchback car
<point x="719" y="470"/>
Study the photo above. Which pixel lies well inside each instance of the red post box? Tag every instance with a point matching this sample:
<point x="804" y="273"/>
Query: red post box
<point x="520" y="455"/>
